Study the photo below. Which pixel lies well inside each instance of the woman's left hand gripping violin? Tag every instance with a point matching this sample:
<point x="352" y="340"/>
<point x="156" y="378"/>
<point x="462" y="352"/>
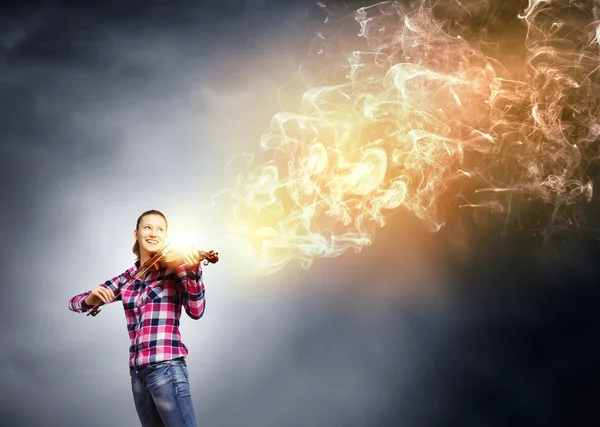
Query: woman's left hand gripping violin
<point x="173" y="258"/>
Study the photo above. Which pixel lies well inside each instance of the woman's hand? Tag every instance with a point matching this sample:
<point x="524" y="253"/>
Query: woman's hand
<point x="100" y="294"/>
<point x="191" y="257"/>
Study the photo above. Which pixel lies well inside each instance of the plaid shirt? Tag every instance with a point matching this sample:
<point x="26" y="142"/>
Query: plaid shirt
<point x="153" y="308"/>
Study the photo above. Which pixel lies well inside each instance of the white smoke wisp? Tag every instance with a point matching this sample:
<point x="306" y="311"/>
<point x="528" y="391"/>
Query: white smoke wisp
<point x="409" y="104"/>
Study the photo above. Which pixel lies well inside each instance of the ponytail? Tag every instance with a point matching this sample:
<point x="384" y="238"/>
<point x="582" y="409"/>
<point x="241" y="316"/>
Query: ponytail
<point x="136" y="249"/>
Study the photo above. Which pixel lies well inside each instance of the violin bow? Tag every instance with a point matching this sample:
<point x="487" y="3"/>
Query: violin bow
<point x="205" y="258"/>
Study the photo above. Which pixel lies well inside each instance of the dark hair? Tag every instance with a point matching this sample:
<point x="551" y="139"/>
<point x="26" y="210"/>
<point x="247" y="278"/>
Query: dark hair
<point x="136" y="245"/>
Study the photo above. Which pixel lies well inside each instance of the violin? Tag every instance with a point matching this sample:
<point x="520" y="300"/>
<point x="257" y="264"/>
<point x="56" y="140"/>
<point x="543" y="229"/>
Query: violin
<point x="173" y="258"/>
<point x="165" y="258"/>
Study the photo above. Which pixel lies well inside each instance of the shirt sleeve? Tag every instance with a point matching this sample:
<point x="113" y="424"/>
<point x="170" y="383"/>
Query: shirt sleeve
<point x="192" y="290"/>
<point x="77" y="303"/>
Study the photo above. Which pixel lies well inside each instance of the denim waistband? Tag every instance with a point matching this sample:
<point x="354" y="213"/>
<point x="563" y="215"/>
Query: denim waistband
<point x="176" y="360"/>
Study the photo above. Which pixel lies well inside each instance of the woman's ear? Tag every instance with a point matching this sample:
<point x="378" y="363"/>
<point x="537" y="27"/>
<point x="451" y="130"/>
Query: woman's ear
<point x="135" y="234"/>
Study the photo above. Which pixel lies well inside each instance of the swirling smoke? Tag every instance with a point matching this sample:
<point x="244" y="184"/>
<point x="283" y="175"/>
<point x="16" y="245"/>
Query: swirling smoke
<point x="408" y="105"/>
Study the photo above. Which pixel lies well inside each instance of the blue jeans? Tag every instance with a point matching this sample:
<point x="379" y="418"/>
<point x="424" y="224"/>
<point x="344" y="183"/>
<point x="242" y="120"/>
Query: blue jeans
<point x="161" y="392"/>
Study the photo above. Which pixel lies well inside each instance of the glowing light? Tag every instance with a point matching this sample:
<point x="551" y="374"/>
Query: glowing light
<point x="190" y="238"/>
<point x="420" y="107"/>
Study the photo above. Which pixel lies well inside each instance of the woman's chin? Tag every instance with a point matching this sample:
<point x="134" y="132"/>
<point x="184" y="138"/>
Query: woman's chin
<point x="153" y="249"/>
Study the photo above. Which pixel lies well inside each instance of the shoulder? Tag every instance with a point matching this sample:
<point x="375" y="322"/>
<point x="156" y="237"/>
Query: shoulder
<point x="129" y="273"/>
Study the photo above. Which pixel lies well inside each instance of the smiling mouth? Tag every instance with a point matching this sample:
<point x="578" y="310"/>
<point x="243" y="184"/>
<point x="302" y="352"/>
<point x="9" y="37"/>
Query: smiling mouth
<point x="152" y="242"/>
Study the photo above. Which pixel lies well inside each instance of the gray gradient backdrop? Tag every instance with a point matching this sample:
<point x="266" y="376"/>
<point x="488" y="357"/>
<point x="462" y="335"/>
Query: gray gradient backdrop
<point x="111" y="108"/>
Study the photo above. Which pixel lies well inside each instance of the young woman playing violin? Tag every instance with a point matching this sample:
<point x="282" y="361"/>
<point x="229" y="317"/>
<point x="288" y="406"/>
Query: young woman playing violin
<point x="152" y="303"/>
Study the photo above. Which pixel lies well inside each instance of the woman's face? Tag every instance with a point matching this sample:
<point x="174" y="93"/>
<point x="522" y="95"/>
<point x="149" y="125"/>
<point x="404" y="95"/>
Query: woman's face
<point x="151" y="233"/>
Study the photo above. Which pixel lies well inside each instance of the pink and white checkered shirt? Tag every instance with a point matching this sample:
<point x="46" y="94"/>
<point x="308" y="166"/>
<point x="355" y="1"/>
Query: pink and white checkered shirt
<point x="153" y="309"/>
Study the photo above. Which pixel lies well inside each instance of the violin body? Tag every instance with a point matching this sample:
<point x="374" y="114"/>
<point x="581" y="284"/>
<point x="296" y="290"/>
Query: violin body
<point x="174" y="258"/>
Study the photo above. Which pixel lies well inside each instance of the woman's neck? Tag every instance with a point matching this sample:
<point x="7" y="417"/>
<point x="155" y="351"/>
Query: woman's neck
<point x="144" y="257"/>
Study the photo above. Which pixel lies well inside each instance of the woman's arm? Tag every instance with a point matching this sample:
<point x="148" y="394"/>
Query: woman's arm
<point x="78" y="302"/>
<point x="192" y="290"/>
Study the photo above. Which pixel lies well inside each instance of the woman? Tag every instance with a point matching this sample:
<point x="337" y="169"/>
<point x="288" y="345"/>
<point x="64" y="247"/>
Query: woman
<point x="159" y="376"/>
